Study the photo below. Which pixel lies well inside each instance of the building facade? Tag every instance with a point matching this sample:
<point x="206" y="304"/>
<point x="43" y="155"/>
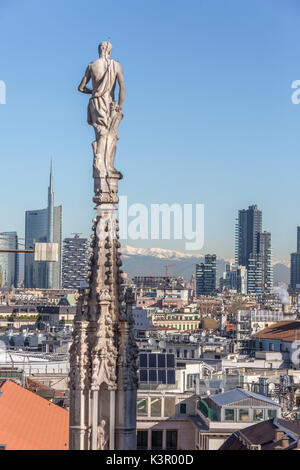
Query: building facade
<point x="235" y="278"/>
<point x="253" y="250"/>
<point x="75" y="262"/>
<point x="206" y="276"/>
<point x="44" y="225"/>
<point x="9" y="262"/>
<point x="295" y="266"/>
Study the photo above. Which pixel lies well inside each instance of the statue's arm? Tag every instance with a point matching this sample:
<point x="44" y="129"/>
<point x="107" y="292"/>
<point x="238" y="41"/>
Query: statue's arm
<point x="82" y="87"/>
<point x="121" y="86"/>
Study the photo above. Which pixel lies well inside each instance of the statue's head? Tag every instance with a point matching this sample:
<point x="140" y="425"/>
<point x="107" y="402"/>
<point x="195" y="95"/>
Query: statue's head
<point x="104" y="49"/>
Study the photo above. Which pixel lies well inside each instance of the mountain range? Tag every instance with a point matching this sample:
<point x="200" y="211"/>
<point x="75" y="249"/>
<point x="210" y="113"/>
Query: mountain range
<point x="153" y="262"/>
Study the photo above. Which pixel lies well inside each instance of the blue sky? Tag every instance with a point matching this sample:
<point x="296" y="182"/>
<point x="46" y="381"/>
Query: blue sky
<point x="208" y="116"/>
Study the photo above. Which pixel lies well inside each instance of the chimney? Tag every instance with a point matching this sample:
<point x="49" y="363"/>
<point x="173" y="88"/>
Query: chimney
<point x="285" y="442"/>
<point x="285" y="308"/>
<point x="279" y="435"/>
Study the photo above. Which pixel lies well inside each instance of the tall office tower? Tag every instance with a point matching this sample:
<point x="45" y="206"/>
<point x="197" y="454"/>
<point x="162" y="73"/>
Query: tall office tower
<point x="206" y="276"/>
<point x="9" y="262"/>
<point x="295" y="266"/>
<point x="75" y="262"/>
<point x="298" y="239"/>
<point x="249" y="224"/>
<point x="253" y="250"/>
<point x="43" y="225"/>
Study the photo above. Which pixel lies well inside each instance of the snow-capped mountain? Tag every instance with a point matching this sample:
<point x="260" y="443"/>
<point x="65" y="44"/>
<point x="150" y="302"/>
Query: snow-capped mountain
<point x="152" y="262"/>
<point x="157" y="253"/>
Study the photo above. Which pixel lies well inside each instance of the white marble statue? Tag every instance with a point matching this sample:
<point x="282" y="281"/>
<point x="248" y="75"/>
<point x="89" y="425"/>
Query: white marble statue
<point x="104" y="112"/>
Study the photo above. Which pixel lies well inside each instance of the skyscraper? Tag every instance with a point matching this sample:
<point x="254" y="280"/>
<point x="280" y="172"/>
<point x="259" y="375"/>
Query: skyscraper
<point x="248" y="226"/>
<point x="9" y="262"/>
<point x="75" y="262"/>
<point x="206" y="276"/>
<point x="43" y="225"/>
<point x="295" y="266"/>
<point x="265" y="260"/>
<point x="253" y="250"/>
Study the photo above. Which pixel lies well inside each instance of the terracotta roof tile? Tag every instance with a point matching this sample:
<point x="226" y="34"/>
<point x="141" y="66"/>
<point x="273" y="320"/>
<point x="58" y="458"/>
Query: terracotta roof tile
<point x="283" y="330"/>
<point x="29" y="422"/>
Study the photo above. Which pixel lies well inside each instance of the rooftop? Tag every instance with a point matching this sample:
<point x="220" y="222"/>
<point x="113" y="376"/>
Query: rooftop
<point x="29" y="422"/>
<point x="265" y="436"/>
<point x="238" y="394"/>
<point x="282" y="331"/>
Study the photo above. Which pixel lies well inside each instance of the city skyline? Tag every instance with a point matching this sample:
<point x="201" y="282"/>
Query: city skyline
<point x="238" y="138"/>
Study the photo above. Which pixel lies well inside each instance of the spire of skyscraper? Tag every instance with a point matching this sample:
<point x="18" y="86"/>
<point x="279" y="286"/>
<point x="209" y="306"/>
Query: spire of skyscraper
<point x="51" y="177"/>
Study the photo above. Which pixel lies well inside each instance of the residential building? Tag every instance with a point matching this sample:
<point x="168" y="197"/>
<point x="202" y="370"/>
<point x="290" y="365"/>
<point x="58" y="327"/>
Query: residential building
<point x="279" y="338"/>
<point x="75" y="262"/>
<point x="220" y="415"/>
<point x="273" y="434"/>
<point x="29" y="422"/>
<point x="235" y="278"/>
<point x="253" y="250"/>
<point x="206" y="276"/>
<point x="295" y="266"/>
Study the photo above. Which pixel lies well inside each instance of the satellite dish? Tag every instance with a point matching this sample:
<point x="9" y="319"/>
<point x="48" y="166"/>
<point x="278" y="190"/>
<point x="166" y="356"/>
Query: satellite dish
<point x="162" y="344"/>
<point x="193" y="339"/>
<point x="271" y="387"/>
<point x="151" y="341"/>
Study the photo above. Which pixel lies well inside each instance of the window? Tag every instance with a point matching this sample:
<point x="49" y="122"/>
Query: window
<point x="272" y="414"/>
<point x="155" y="406"/>
<point x="143" y="375"/>
<point x="192" y="354"/>
<point x="169" y="407"/>
<point x="182" y="408"/>
<point x="243" y="415"/>
<point x="170" y="376"/>
<point x="271" y="346"/>
<point x="171" y="440"/>
<point x="152" y="375"/>
<point x="185" y="353"/>
<point x="142" y="407"/>
<point x="170" y="360"/>
<point x="229" y="414"/>
<point x="156" y="440"/>
<point x="142" y="440"/>
<point x="162" y="376"/>
<point x="258" y="415"/>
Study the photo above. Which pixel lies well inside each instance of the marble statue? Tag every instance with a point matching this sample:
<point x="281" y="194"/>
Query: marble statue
<point x="104" y="112"/>
<point x="103" y="356"/>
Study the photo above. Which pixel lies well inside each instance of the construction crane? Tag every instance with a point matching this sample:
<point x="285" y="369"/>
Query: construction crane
<point x="167" y="266"/>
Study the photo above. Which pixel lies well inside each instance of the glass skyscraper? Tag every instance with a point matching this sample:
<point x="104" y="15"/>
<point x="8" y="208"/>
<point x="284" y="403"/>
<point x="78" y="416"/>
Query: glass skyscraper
<point x="206" y="276"/>
<point x="295" y="266"/>
<point x="43" y="225"/>
<point x="9" y="262"/>
<point x="253" y="250"/>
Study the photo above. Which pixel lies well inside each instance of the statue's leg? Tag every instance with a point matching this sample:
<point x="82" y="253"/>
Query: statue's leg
<point x="99" y="168"/>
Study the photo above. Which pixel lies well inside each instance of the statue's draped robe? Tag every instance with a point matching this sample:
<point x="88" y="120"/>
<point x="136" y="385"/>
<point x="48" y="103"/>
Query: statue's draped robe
<point x="99" y="111"/>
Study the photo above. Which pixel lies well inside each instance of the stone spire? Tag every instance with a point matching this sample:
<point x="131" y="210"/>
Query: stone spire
<point x="103" y="356"/>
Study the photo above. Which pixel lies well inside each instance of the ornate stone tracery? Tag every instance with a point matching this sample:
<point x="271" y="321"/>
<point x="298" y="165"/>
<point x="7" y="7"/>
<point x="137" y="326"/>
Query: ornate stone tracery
<point x="103" y="356"/>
